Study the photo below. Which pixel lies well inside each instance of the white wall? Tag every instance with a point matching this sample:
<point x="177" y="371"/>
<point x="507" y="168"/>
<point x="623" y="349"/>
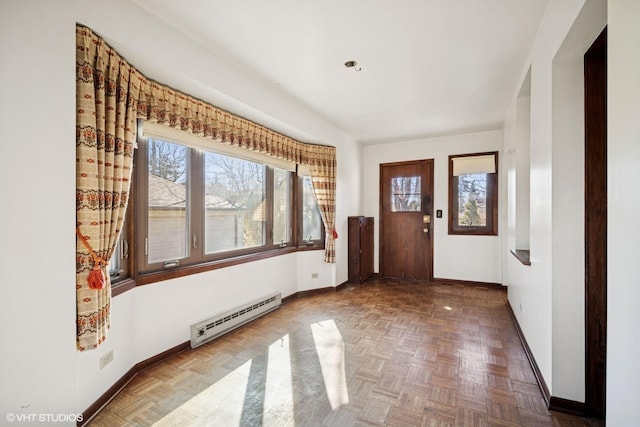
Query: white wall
<point x="623" y="346"/>
<point x="41" y="371"/>
<point x="568" y="270"/>
<point x="548" y="296"/>
<point x="37" y="290"/>
<point x="475" y="258"/>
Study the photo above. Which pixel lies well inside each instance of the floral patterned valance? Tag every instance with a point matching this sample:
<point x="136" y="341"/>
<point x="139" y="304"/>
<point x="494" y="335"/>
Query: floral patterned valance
<point x="161" y="104"/>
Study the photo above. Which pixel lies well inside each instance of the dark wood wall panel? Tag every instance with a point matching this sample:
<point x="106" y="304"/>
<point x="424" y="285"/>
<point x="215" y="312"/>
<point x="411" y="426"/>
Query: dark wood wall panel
<point x="595" y="77"/>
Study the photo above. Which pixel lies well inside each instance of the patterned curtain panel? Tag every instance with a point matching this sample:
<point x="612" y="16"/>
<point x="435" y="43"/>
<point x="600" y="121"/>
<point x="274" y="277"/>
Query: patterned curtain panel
<point x="105" y="138"/>
<point x="323" y="178"/>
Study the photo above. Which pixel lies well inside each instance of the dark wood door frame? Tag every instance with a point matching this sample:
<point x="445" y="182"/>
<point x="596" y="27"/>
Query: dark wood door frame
<point x="595" y="199"/>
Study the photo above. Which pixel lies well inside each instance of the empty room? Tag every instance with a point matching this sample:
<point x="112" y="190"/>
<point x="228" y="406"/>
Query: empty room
<point x="304" y="213"/>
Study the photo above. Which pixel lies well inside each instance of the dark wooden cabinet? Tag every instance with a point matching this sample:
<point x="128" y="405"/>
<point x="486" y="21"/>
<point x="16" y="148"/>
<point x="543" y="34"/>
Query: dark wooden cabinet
<point x="360" y="248"/>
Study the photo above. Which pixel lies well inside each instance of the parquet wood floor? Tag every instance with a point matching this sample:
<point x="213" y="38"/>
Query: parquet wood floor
<point x="384" y="353"/>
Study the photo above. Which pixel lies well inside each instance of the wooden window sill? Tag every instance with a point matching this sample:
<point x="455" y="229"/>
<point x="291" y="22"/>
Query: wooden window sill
<point x="122" y="286"/>
<point x="522" y="255"/>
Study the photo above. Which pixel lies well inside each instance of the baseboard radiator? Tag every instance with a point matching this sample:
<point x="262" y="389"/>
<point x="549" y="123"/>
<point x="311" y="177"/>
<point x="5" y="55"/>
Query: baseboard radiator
<point x="215" y="326"/>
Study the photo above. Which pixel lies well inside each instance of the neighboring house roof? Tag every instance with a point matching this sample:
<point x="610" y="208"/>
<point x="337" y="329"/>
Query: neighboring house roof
<point x="168" y="194"/>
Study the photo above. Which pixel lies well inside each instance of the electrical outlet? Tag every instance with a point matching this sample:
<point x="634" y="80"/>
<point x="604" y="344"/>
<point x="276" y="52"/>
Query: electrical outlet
<point x="315" y="275"/>
<point x="106" y="359"/>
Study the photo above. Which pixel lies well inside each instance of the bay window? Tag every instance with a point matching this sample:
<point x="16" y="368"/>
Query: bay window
<point x="199" y="208"/>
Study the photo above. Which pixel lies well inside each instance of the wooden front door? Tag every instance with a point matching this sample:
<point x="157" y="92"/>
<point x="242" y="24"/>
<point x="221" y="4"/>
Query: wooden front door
<point x="406" y="200"/>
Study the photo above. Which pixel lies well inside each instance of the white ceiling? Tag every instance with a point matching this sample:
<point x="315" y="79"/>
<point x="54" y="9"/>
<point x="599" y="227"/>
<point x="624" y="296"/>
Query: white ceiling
<point x="428" y="67"/>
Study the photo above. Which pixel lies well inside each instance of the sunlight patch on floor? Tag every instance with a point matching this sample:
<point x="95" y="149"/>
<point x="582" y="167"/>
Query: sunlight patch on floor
<point x="219" y="404"/>
<point x="330" y="349"/>
<point x="278" y="399"/>
<point x="224" y="402"/>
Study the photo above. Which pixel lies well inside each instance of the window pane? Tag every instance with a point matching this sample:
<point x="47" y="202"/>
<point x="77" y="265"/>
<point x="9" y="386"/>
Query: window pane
<point x="167" y="209"/>
<point x="118" y="267"/>
<point x="472" y="200"/>
<point x="281" y="205"/>
<point x="405" y="194"/>
<point x="311" y="219"/>
<point x="234" y="203"/>
<point x="115" y="262"/>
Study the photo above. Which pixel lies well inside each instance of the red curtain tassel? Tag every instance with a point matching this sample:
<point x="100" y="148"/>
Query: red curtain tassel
<point x="335" y="234"/>
<point x="96" y="278"/>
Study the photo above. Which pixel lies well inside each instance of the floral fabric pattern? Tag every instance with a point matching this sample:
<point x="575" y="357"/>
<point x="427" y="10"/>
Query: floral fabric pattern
<point x="105" y="137"/>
